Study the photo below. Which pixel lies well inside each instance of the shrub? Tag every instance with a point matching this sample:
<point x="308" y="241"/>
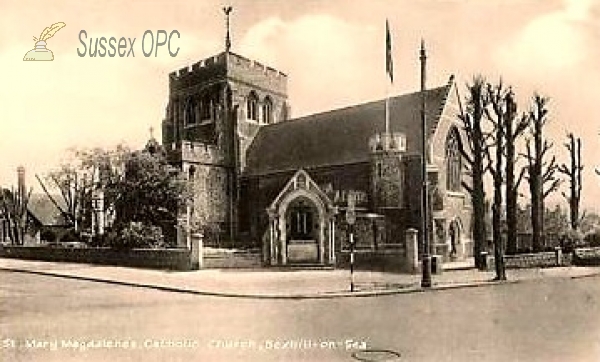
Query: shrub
<point x="137" y="235"/>
<point x="593" y="238"/>
<point x="212" y="234"/>
<point x="210" y="230"/>
<point x="48" y="235"/>
<point x="69" y="236"/>
<point x="571" y="240"/>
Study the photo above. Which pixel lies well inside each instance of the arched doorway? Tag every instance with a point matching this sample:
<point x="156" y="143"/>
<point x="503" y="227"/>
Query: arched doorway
<point x="301" y="224"/>
<point x="302" y="221"/>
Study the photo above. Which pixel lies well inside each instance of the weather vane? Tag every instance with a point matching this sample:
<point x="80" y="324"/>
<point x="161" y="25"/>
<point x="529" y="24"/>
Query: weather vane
<point x="227" y="10"/>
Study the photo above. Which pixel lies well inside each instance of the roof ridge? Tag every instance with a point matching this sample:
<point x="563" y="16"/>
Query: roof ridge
<point x="344" y="108"/>
<point x="340" y="136"/>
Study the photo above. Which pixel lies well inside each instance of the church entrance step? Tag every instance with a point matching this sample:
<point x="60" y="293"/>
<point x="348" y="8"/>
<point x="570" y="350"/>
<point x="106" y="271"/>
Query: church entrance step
<point x="296" y="266"/>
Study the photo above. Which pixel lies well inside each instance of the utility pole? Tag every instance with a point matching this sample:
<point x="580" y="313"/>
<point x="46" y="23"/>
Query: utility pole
<point x="351" y="220"/>
<point x="426" y="258"/>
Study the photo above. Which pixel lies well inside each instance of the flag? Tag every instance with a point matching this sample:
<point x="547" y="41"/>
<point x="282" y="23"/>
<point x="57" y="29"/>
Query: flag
<point x="389" y="64"/>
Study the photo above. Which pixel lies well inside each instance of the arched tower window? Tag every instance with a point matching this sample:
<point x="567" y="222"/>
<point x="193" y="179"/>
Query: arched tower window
<point x="453" y="161"/>
<point x="267" y="111"/>
<point x="252" y="106"/>
<point x="205" y="108"/>
<point x="189" y="113"/>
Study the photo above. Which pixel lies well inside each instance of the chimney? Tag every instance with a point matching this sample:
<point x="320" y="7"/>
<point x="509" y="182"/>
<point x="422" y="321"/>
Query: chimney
<point x="22" y="193"/>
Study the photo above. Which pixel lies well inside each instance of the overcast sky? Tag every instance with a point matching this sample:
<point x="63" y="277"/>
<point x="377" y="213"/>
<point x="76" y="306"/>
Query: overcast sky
<point x="332" y="51"/>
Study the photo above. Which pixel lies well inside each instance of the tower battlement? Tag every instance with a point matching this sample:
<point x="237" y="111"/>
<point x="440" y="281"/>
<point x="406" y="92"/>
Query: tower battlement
<point x="229" y="65"/>
<point x="387" y="142"/>
<point x="249" y="64"/>
<point x="199" y="67"/>
<point x="262" y="77"/>
<point x="195" y="152"/>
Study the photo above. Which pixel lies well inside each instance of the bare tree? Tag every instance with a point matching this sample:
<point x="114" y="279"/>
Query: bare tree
<point x="475" y="161"/>
<point x="74" y="188"/>
<point x="497" y="113"/>
<point x="513" y="129"/>
<point x="14" y="204"/>
<point x="541" y="173"/>
<point x="573" y="173"/>
<point x="75" y="180"/>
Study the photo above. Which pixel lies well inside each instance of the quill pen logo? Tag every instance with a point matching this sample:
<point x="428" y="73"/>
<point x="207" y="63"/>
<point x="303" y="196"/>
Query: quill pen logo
<point x="40" y="52"/>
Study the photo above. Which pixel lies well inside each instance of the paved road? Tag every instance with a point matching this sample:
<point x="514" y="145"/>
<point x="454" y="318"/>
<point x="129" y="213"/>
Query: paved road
<point x="552" y="320"/>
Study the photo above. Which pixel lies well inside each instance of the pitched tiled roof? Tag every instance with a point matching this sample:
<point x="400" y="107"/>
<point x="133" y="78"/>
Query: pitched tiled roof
<point x="44" y="210"/>
<point x="341" y="136"/>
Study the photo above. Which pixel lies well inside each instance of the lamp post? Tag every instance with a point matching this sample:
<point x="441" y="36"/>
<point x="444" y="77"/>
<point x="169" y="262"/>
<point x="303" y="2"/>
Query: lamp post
<point x="351" y="220"/>
<point x="426" y="258"/>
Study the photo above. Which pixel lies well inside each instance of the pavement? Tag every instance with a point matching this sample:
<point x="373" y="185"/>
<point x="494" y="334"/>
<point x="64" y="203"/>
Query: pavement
<point x="287" y="283"/>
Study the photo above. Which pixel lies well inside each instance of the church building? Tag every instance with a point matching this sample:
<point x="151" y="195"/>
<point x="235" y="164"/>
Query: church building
<point x="284" y="184"/>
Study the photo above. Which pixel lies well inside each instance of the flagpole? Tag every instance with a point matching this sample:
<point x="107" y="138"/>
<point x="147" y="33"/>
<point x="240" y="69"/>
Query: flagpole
<point x="387" y="109"/>
<point x="389" y="70"/>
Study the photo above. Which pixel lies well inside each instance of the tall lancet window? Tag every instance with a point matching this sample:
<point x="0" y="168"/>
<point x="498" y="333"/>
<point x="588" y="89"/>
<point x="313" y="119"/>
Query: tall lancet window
<point x="189" y="113"/>
<point x="267" y="111"/>
<point x="205" y="108"/>
<point x="252" y="106"/>
<point x="453" y="161"/>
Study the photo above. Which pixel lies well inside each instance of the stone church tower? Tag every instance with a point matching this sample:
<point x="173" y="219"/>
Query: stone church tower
<point x="215" y="109"/>
<point x="387" y="170"/>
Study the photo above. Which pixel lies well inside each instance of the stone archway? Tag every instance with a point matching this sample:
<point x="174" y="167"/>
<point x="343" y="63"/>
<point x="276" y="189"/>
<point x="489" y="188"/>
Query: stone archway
<point x="302" y="221"/>
<point x="301" y="224"/>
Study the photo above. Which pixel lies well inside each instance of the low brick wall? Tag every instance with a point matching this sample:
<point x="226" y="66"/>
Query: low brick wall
<point x="226" y="258"/>
<point x="382" y="260"/>
<point x="586" y="256"/>
<point x="173" y="259"/>
<point x="533" y="260"/>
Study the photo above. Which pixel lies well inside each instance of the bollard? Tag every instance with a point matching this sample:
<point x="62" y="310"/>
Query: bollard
<point x="436" y="264"/>
<point x="484" y="261"/>
<point x="196" y="251"/>
<point x="412" y="251"/>
<point x="351" y="261"/>
<point x="558" y="252"/>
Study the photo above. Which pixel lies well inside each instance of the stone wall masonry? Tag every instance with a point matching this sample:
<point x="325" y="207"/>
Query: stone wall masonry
<point x="194" y="152"/>
<point x="197" y="152"/>
<point x="587" y="256"/>
<point x="241" y="91"/>
<point x="225" y="259"/>
<point x="172" y="259"/>
<point x="213" y="68"/>
<point x="211" y="196"/>
<point x="257" y="74"/>
<point x="383" y="261"/>
<point x="535" y="260"/>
